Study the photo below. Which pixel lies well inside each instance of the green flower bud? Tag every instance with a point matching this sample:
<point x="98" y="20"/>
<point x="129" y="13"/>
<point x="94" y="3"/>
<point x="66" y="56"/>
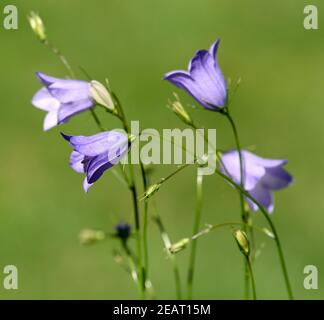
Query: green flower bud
<point x="151" y="190"/>
<point x="180" y="111"/>
<point x="90" y="236"/>
<point x="37" y="25"/>
<point x="179" y="246"/>
<point x="242" y="241"/>
<point x="102" y="96"/>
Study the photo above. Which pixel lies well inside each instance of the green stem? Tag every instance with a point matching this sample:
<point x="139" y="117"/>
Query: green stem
<point x="273" y="229"/>
<point x="243" y="213"/>
<point x="141" y="267"/>
<point x="62" y="58"/>
<point x="248" y="262"/>
<point x="192" y="259"/>
<point x="167" y="245"/>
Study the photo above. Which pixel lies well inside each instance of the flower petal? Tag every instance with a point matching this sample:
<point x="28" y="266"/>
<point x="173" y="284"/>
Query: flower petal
<point x="45" y="101"/>
<point x="276" y="178"/>
<point x="184" y="81"/>
<point x="68" y="110"/>
<point x="206" y="73"/>
<point x="99" y="143"/>
<point x="66" y="90"/>
<point x="50" y="120"/>
<point x="76" y="162"/>
<point x="86" y="185"/>
<point x="252" y="172"/>
<point x="263" y="196"/>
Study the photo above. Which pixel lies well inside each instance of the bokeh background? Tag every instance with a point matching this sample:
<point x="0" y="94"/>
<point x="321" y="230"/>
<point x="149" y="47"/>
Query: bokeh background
<point x="278" y="108"/>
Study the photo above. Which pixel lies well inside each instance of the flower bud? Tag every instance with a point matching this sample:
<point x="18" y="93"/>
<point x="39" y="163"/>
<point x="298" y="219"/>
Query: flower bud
<point x="102" y="96"/>
<point x="123" y="230"/>
<point x="180" y="111"/>
<point x="90" y="236"/>
<point x="177" y="247"/>
<point x="242" y="241"/>
<point x="151" y="190"/>
<point x="37" y="25"/>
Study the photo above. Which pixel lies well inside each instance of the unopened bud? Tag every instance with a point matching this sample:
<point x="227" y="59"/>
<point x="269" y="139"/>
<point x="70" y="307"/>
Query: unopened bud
<point x="37" y="25"/>
<point x="242" y="241"/>
<point x="90" y="236"/>
<point x="101" y="95"/>
<point x="180" y="111"/>
<point x="151" y="190"/>
<point x="179" y="246"/>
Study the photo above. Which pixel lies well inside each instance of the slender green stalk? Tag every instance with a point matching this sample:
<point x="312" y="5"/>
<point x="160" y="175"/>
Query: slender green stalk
<point x="142" y="268"/>
<point x="192" y="259"/>
<point x="167" y="245"/>
<point x="273" y="229"/>
<point x="62" y="58"/>
<point x="248" y="262"/>
<point x="244" y="214"/>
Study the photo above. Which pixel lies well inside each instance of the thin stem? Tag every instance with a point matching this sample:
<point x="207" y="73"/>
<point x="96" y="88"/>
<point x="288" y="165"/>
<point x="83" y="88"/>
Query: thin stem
<point x="142" y="268"/>
<point x="192" y="259"/>
<point x="167" y="245"/>
<point x="243" y="213"/>
<point x="62" y="58"/>
<point x="273" y="229"/>
<point x="248" y="262"/>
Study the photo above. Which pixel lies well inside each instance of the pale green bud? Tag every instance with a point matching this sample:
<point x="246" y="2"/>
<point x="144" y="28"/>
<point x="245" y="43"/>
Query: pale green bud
<point x="90" y="236"/>
<point x="180" y="111"/>
<point x="242" y="241"/>
<point x="37" y="25"/>
<point x="180" y="245"/>
<point x="101" y="95"/>
<point x="151" y="190"/>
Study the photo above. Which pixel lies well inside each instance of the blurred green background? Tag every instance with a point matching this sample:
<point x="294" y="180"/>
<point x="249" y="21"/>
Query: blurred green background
<point x="278" y="108"/>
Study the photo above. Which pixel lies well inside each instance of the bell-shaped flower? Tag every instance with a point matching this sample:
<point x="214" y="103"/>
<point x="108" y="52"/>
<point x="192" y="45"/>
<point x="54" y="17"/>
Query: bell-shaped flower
<point x="62" y="99"/>
<point x="204" y="80"/>
<point x="93" y="155"/>
<point x="260" y="176"/>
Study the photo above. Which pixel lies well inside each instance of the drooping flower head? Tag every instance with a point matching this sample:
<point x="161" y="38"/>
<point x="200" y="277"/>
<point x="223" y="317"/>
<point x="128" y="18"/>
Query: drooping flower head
<point x="93" y="155"/>
<point x="62" y="99"/>
<point x="204" y="80"/>
<point x="261" y="176"/>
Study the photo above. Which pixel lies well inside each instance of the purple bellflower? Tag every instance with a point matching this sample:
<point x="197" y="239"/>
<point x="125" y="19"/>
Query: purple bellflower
<point x="261" y="176"/>
<point x="62" y="99"/>
<point x="204" y="80"/>
<point x="93" y="155"/>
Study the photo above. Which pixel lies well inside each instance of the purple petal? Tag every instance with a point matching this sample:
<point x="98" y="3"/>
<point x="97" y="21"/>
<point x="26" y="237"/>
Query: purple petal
<point x="86" y="185"/>
<point x="263" y="196"/>
<point x="96" y="167"/>
<point x="266" y="163"/>
<point x="97" y="144"/>
<point x="252" y="172"/>
<point x="276" y="178"/>
<point x="206" y="73"/>
<point x="184" y="81"/>
<point x="76" y="162"/>
<point x="45" y="101"/>
<point x="50" y="120"/>
<point x="66" y="90"/>
<point x="67" y="110"/>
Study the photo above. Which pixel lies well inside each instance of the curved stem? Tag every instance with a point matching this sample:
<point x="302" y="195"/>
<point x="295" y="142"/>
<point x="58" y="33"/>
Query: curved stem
<point x="199" y="194"/>
<point x="273" y="229"/>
